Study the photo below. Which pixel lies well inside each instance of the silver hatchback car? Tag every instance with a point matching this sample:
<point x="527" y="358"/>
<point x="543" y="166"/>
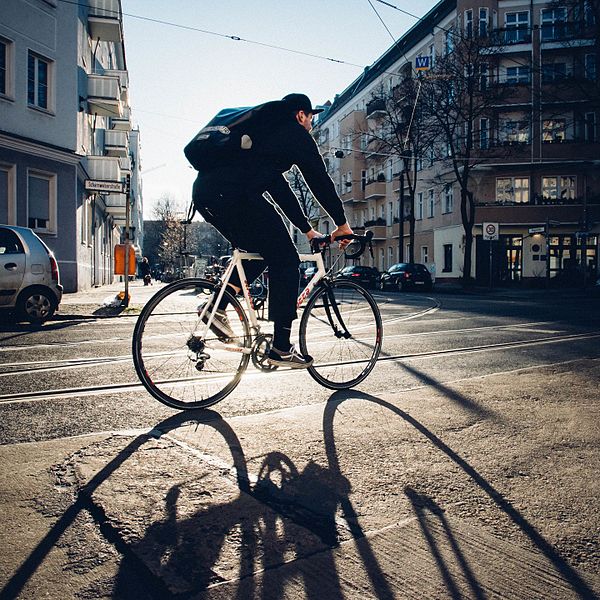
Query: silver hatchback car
<point x="29" y="277"/>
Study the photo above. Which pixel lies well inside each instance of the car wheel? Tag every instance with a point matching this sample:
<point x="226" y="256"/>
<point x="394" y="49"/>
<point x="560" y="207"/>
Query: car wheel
<point x="381" y="286"/>
<point x="36" y="305"/>
<point x="400" y="285"/>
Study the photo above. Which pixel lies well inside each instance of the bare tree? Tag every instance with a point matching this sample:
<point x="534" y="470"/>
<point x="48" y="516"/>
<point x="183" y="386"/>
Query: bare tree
<point x="171" y="231"/>
<point x="457" y="96"/>
<point x="400" y="132"/>
<point x="303" y="193"/>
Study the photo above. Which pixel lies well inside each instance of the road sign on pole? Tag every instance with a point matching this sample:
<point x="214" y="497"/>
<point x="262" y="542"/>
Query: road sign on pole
<point x="491" y="231"/>
<point x="106" y="187"/>
<point x="533" y="230"/>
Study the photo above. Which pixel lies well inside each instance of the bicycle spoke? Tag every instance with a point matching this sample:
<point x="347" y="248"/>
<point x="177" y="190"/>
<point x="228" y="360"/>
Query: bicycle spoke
<point x="176" y="364"/>
<point x="341" y="330"/>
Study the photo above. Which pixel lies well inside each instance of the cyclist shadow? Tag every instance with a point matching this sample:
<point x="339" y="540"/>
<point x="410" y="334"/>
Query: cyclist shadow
<point x="277" y="516"/>
<point x="425" y="508"/>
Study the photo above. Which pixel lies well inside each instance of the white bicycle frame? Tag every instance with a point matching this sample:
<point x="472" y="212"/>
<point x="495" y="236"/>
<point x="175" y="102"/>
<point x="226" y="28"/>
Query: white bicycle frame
<point x="236" y="263"/>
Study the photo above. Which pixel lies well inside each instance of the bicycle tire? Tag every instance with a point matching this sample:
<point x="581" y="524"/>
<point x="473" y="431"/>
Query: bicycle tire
<point x="166" y="341"/>
<point x="341" y="362"/>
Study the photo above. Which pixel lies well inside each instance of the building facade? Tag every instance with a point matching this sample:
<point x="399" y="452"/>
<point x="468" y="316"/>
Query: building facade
<point x="64" y="120"/>
<point x="531" y="143"/>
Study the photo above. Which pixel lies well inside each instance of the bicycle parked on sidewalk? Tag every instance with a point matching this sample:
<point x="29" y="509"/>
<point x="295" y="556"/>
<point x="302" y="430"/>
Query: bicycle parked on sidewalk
<point x="186" y="366"/>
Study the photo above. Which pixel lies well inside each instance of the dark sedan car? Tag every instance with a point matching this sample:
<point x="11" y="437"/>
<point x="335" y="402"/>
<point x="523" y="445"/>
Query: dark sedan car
<point x="366" y="276"/>
<point x="405" y="276"/>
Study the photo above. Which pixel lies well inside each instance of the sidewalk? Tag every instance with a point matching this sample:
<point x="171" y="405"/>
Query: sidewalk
<point x="462" y="491"/>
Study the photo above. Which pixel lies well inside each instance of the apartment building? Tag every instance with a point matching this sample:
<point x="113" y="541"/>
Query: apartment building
<point x="533" y="148"/>
<point x="65" y="119"/>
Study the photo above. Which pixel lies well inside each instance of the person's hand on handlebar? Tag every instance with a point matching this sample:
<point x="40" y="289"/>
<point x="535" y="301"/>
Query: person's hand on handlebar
<point x="342" y="230"/>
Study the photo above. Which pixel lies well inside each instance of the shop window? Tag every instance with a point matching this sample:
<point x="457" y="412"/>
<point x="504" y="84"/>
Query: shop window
<point x="41" y="202"/>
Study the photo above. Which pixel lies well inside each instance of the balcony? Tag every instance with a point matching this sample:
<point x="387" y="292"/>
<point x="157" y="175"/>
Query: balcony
<point x="378" y="227"/>
<point x="123" y="77"/>
<point x="116" y="205"/>
<point x="104" y="20"/>
<point x="375" y="189"/>
<point x="104" y="96"/>
<point x="125" y="164"/>
<point x="376" y="109"/>
<point x="510" y="36"/>
<point x="116" y="143"/>
<point x="103" y="168"/>
<point x="122" y="123"/>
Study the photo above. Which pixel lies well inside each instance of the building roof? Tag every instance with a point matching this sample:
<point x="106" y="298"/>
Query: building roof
<point x="423" y="27"/>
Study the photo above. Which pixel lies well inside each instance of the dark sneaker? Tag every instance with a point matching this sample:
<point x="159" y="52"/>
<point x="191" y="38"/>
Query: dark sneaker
<point x="292" y="359"/>
<point x="220" y="325"/>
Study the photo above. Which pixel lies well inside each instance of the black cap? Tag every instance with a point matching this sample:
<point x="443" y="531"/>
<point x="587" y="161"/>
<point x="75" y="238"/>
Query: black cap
<point x="301" y="102"/>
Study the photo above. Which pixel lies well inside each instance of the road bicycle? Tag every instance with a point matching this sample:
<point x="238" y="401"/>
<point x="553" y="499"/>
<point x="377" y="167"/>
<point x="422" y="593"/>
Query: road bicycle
<point x="186" y="366"/>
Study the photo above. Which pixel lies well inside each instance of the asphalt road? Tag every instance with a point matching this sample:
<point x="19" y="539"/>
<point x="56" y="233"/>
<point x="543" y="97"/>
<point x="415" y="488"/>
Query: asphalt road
<point x="478" y="370"/>
<point x="78" y="371"/>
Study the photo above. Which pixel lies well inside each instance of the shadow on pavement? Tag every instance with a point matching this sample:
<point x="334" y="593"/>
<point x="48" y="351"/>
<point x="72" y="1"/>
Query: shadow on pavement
<point x="185" y="549"/>
<point x="421" y="503"/>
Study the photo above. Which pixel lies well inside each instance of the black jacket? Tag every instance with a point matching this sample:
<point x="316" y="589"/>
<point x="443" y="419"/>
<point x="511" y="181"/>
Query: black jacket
<point x="275" y="148"/>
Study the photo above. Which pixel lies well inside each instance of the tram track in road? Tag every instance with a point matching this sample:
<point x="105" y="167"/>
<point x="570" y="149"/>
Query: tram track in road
<point x="38" y="366"/>
<point x="23" y="397"/>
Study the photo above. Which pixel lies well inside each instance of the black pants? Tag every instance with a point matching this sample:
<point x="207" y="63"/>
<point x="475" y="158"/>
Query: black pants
<point x="251" y="223"/>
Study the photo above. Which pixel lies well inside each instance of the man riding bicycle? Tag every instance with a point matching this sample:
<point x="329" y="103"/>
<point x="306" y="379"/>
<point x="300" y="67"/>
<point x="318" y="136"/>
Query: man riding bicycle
<point x="231" y="198"/>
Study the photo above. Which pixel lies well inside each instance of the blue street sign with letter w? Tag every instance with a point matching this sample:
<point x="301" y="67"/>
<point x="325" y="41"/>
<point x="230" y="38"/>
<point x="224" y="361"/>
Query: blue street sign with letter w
<point x="422" y="63"/>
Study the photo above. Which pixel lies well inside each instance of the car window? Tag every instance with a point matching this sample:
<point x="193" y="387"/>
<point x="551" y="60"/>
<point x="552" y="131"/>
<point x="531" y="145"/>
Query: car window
<point x="10" y="242"/>
<point x="420" y="269"/>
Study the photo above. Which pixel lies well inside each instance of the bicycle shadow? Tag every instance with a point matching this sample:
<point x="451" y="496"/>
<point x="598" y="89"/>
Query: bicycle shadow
<point x="280" y="515"/>
<point x="425" y="507"/>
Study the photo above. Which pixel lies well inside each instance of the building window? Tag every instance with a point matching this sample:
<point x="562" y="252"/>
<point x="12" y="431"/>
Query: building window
<point x="449" y="41"/>
<point x="448" y="199"/>
<point x="390" y="256"/>
<point x="483" y="22"/>
<point x="558" y="188"/>
<point x="41" y="202"/>
<point x="363" y="180"/>
<point x="390" y="213"/>
<point x="6" y="68"/>
<point x="38" y="81"/>
<point x="516" y="75"/>
<point x="517" y="27"/>
<point x="484" y="133"/>
<point x="431" y="56"/>
<point x="553" y="131"/>
<point x="424" y="254"/>
<point x="516" y="132"/>
<point x="590" y="127"/>
<point x="483" y="77"/>
<point x="590" y="66"/>
<point x="419" y="206"/>
<point x="447" y="258"/>
<point x="430" y="214"/>
<point x="468" y="24"/>
<point x="326" y="226"/>
<point x="553" y="72"/>
<point x="554" y="23"/>
<point x="8" y="200"/>
<point x="512" y="189"/>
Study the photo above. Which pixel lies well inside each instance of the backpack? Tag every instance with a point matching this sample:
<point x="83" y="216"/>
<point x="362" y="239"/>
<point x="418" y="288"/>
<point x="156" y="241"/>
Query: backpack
<point x="228" y="135"/>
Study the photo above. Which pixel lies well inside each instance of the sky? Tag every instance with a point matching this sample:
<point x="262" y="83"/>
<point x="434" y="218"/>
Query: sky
<point x="180" y="77"/>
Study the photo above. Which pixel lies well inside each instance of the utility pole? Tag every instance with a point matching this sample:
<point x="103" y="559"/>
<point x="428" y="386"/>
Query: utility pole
<point x="401" y="215"/>
<point x="127" y="193"/>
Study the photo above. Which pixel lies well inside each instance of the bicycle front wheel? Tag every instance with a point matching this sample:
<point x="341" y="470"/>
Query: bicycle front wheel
<point x="181" y="363"/>
<point x="341" y="329"/>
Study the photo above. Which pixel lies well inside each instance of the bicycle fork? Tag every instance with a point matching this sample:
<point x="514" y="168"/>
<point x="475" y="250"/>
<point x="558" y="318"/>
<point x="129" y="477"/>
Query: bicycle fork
<point x="330" y="305"/>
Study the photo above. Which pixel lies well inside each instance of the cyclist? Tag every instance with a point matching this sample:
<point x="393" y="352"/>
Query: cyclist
<point x="231" y="198"/>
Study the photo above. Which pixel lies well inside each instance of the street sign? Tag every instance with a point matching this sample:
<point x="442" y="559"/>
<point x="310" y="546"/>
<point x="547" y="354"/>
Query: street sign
<point x="537" y="230"/>
<point x="490" y="231"/>
<point x="107" y="187"/>
<point x="422" y="63"/>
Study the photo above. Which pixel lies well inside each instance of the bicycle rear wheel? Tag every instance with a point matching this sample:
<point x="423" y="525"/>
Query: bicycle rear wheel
<point x="179" y="363"/>
<point x="341" y="329"/>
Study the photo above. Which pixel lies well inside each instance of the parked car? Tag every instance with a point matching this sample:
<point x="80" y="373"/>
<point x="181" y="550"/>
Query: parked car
<point x="405" y="276"/>
<point x="29" y="277"/>
<point x="368" y="277"/>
